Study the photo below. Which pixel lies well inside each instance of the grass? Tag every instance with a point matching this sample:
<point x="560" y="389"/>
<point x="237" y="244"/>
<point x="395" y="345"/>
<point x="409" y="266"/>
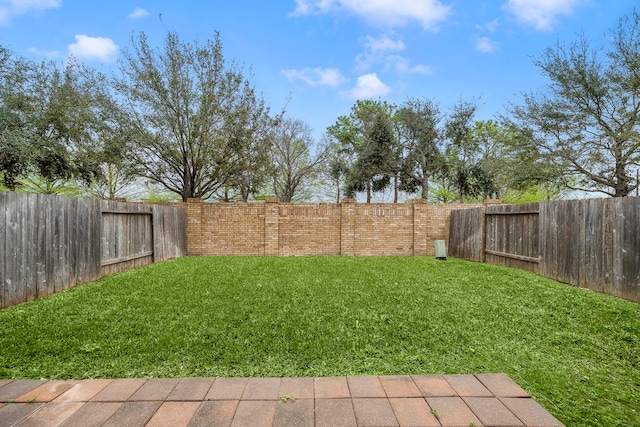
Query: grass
<point x="575" y="351"/>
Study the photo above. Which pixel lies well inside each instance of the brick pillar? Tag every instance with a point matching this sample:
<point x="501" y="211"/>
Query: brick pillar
<point x="420" y="226"/>
<point x="347" y="227"/>
<point x="271" y="227"/>
<point x="195" y="244"/>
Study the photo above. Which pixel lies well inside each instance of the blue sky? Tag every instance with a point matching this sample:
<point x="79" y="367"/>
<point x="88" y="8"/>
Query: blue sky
<point x="325" y="54"/>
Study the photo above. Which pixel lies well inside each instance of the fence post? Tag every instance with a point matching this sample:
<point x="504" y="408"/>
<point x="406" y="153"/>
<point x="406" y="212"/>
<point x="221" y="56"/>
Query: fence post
<point x="347" y="227"/>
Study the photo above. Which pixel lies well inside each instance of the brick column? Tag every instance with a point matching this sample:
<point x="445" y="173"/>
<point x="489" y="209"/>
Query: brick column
<point x="271" y="227"/>
<point x="420" y="226"/>
<point x="347" y="227"/>
<point x="195" y="245"/>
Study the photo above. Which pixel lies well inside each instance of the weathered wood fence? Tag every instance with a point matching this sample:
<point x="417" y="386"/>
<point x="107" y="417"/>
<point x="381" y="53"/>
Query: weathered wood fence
<point x="593" y="243"/>
<point x="50" y="243"/>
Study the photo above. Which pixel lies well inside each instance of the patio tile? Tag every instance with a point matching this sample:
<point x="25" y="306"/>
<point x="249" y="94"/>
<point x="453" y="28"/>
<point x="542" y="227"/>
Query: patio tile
<point x="133" y="414"/>
<point x="214" y="413"/>
<point x="501" y="385"/>
<point x="294" y="414"/>
<point x="93" y="414"/>
<point x="361" y="387"/>
<point x="17" y="388"/>
<point x="374" y="412"/>
<point x="46" y="392"/>
<point x="173" y="414"/>
<point x="331" y="388"/>
<point x="452" y="411"/>
<point x="51" y="414"/>
<point x="83" y="391"/>
<point x="4" y="382"/>
<point x="467" y="385"/>
<point x="530" y="412"/>
<point x="118" y="390"/>
<point x="433" y="386"/>
<point x="335" y="412"/>
<point x="262" y="389"/>
<point x="191" y="389"/>
<point x="300" y="388"/>
<point x="413" y="411"/>
<point x="254" y="413"/>
<point x="400" y="386"/>
<point x="13" y="413"/>
<point x="227" y="389"/>
<point x="155" y="389"/>
<point x="492" y="412"/>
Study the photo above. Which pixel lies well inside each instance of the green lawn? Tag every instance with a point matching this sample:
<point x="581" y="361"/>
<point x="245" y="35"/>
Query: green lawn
<point x="575" y="351"/>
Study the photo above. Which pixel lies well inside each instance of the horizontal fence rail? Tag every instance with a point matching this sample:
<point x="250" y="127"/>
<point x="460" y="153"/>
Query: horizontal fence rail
<point x="51" y="243"/>
<point x="593" y="244"/>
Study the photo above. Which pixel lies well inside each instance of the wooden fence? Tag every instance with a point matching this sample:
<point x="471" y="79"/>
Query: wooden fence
<point x="49" y="243"/>
<point x="588" y="243"/>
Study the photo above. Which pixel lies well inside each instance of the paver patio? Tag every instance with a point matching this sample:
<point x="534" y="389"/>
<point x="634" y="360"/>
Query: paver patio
<point x="407" y="400"/>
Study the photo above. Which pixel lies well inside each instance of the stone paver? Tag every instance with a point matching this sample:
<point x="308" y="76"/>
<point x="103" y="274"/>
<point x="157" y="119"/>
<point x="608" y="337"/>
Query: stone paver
<point x="214" y="413"/>
<point x="93" y="414"/>
<point x="467" y="385"/>
<point x="173" y="414"/>
<point x="191" y="389"/>
<point x="331" y="388"/>
<point x="501" y="385"/>
<point x="300" y="388"/>
<point x="13" y="413"/>
<point x="433" y="386"/>
<point x="227" y="389"/>
<point x="15" y="389"/>
<point x="118" y="390"/>
<point x="491" y="412"/>
<point x="365" y="387"/>
<point x="262" y="389"/>
<point x="374" y="412"/>
<point x="51" y="414"/>
<point x="452" y="411"/>
<point x="46" y="392"/>
<point x="133" y="414"/>
<point x="83" y="391"/>
<point x="530" y="412"/>
<point x="155" y="389"/>
<point x="335" y="412"/>
<point x="298" y="413"/>
<point x="413" y="411"/>
<point x="400" y="386"/>
<point x="401" y="400"/>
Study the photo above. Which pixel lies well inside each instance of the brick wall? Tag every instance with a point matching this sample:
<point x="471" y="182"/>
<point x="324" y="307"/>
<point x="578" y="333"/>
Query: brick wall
<point x="346" y="228"/>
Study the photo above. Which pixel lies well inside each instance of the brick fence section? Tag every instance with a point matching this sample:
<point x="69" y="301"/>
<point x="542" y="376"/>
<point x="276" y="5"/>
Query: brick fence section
<point x="347" y="228"/>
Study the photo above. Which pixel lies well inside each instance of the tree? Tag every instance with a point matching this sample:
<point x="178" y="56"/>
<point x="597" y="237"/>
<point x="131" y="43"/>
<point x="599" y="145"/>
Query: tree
<point x="368" y="146"/>
<point x="587" y="123"/>
<point x="294" y="162"/>
<point x="188" y="104"/>
<point x="49" y="119"/>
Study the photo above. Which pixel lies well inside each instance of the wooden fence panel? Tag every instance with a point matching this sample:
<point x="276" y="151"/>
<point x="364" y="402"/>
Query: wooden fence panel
<point x="587" y="243"/>
<point x="466" y="234"/>
<point x="49" y="243"/>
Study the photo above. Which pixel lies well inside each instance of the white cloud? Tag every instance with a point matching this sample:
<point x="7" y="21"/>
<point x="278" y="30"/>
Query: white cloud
<point x="138" y="13"/>
<point x="94" y="48"/>
<point x="429" y="13"/>
<point x="375" y="50"/>
<point x="9" y="9"/>
<point x="367" y="87"/>
<point x="315" y="76"/>
<point x="542" y="14"/>
<point x="486" y="45"/>
<point x="490" y="27"/>
<point x="403" y="65"/>
<point x="51" y="54"/>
